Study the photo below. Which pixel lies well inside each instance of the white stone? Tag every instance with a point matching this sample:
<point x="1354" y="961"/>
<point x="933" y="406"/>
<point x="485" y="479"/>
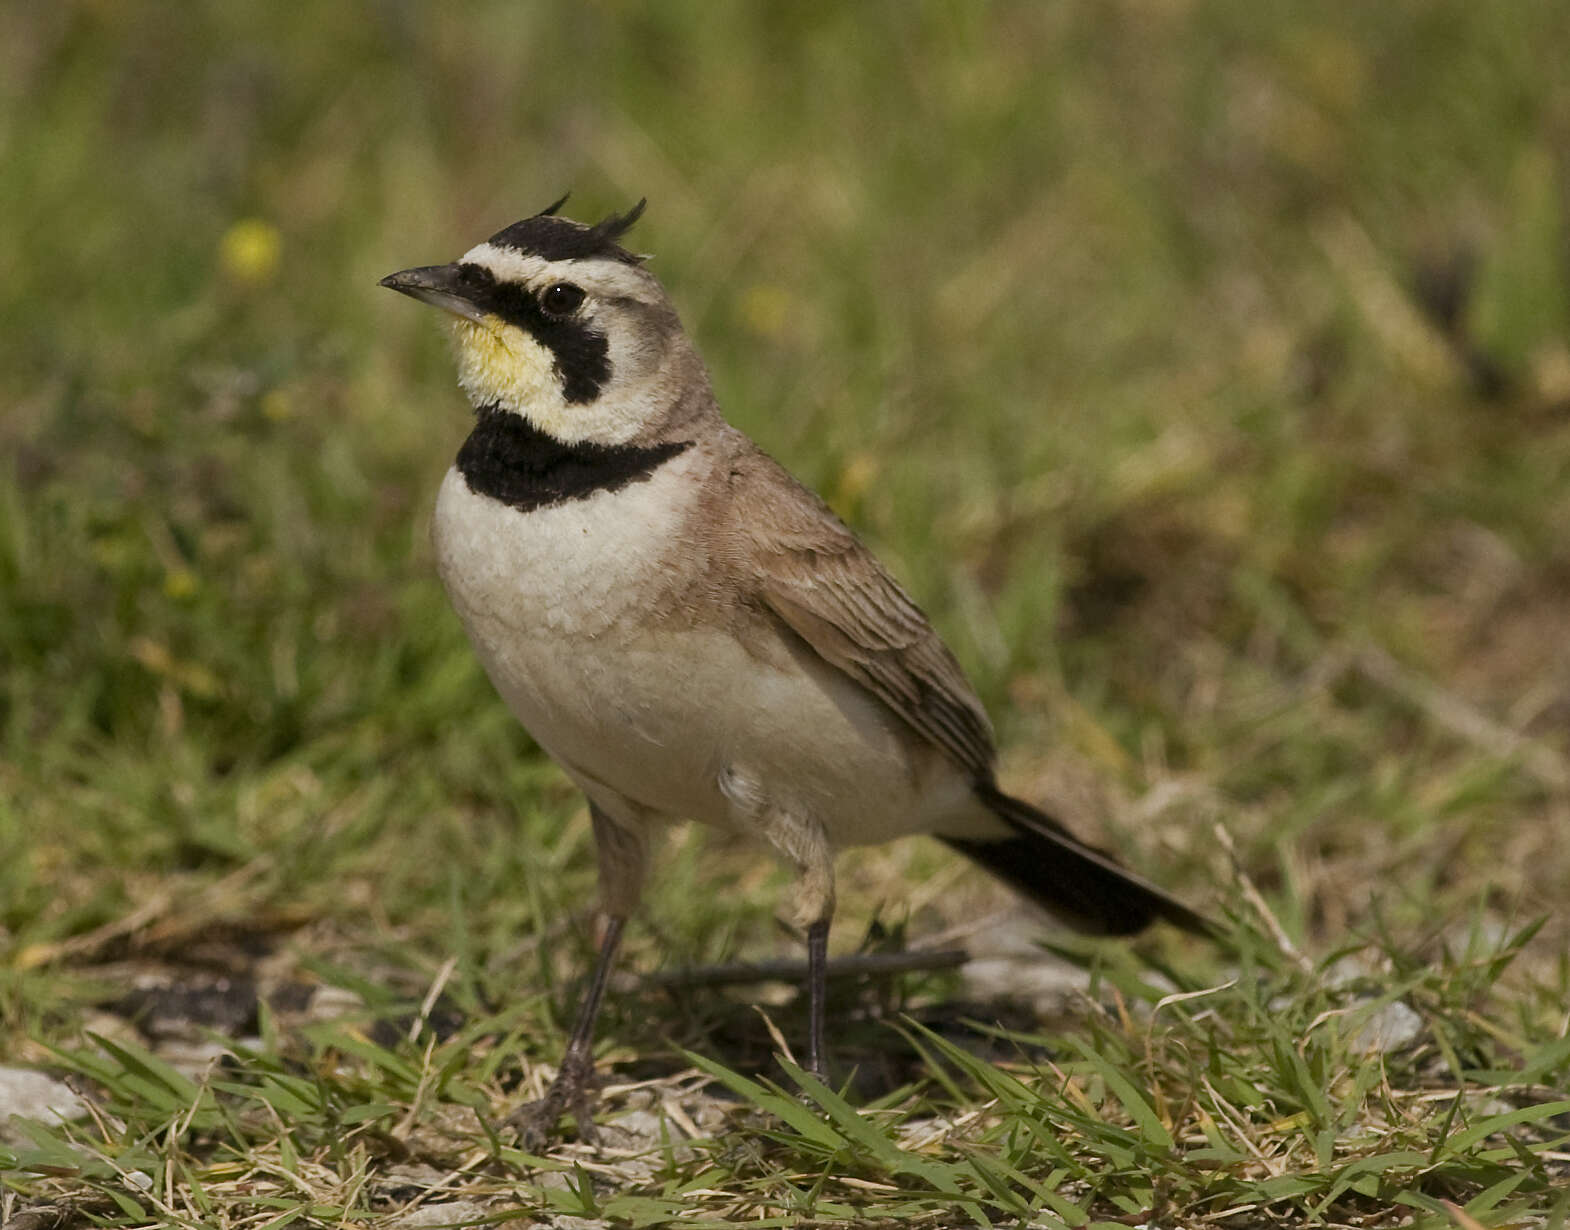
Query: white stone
<point x="451" y="1213"/>
<point x="34" y="1095"/>
<point x="1394" y="1025"/>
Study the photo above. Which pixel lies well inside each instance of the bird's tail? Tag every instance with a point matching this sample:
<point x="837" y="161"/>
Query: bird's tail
<point x="1080" y="884"/>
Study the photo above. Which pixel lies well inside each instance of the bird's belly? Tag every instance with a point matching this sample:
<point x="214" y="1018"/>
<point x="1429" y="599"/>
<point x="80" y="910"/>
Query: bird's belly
<point x="660" y="710"/>
<point x="663" y="720"/>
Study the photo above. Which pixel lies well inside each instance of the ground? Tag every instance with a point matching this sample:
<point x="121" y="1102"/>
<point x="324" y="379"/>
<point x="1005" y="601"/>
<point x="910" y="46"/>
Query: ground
<point x="1203" y="369"/>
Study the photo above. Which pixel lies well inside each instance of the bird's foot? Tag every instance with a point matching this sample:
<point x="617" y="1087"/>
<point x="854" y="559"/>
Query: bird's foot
<point x="576" y="1089"/>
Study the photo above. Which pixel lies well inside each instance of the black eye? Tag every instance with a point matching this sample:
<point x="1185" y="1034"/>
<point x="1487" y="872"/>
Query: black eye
<point x="561" y="299"/>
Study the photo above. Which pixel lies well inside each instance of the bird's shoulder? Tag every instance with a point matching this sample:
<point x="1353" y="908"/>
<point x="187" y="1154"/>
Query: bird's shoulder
<point x="791" y="556"/>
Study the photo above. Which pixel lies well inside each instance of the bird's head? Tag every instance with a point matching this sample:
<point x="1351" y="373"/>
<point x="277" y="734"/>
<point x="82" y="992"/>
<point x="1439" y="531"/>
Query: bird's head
<point x="556" y="322"/>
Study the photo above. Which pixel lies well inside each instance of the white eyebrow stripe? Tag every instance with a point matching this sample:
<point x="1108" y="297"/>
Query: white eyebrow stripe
<point x="606" y="278"/>
<point x="508" y="264"/>
<point x="614" y="280"/>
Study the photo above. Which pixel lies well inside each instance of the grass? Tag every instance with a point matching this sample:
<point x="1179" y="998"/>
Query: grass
<point x="1259" y="1099"/>
<point x="1202" y="368"/>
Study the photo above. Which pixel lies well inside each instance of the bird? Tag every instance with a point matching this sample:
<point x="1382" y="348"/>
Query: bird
<point x="689" y="632"/>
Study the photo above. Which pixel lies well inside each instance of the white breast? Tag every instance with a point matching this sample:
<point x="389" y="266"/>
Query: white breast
<point x="573" y="569"/>
<point x="557" y="602"/>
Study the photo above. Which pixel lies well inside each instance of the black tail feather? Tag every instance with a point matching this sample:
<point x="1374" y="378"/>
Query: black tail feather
<point x="1078" y="883"/>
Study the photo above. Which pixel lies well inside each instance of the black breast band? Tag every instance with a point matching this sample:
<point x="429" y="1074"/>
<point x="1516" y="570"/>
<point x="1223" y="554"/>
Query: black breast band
<point x="509" y="459"/>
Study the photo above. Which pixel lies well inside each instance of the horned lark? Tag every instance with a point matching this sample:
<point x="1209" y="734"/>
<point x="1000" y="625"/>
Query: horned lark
<point x="688" y="631"/>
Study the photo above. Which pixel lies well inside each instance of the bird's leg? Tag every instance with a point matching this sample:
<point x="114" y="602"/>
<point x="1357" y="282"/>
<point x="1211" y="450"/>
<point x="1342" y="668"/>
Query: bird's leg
<point x="817" y="992"/>
<point x="622" y="847"/>
<point x="574" y="1084"/>
<point x="800" y="839"/>
<point x="805" y="844"/>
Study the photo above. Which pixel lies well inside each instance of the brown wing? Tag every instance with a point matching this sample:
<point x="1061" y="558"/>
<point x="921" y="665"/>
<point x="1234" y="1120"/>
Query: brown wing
<point x="816" y="575"/>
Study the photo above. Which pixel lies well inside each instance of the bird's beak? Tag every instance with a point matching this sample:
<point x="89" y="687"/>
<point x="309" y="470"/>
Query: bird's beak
<point x="437" y="285"/>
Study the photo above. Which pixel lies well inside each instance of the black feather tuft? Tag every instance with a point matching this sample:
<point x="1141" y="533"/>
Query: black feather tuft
<point x="614" y="226"/>
<point x="550" y="210"/>
<point x="562" y="239"/>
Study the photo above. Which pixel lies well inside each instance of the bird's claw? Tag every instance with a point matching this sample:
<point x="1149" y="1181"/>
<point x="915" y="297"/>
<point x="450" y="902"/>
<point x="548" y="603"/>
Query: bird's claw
<point x="574" y="1089"/>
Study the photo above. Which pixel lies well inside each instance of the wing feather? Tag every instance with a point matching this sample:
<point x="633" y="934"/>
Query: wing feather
<point x="805" y="566"/>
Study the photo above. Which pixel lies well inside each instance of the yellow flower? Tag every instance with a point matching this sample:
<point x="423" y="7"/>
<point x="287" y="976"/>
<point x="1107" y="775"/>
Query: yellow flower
<point x="277" y="405"/>
<point x="766" y="309"/>
<point x="249" y="251"/>
<point x="180" y="583"/>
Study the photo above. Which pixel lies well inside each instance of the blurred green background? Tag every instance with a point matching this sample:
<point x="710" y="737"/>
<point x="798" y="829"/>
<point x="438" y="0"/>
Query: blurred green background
<point x="1201" y="367"/>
